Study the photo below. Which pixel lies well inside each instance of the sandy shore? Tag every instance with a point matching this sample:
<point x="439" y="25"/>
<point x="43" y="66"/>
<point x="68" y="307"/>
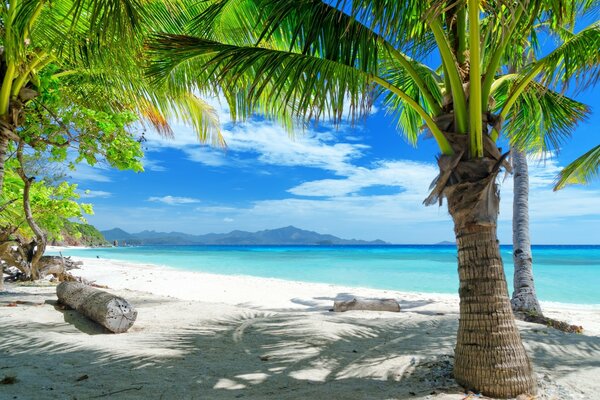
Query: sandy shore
<point x="207" y="336"/>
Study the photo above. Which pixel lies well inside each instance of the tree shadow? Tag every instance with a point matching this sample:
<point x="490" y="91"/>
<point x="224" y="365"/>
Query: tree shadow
<point x="253" y="354"/>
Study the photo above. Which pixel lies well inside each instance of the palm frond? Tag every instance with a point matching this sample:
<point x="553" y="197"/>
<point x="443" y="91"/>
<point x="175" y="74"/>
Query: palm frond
<point x="581" y="171"/>
<point x="575" y="62"/>
<point x="541" y="120"/>
<point x="274" y="81"/>
<point x="409" y="122"/>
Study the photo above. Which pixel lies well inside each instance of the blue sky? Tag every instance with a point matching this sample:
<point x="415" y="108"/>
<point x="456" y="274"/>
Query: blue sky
<point x="361" y="182"/>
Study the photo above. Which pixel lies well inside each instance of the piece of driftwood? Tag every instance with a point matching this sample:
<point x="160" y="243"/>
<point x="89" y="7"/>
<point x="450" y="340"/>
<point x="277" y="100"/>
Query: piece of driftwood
<point x="367" y="305"/>
<point x="110" y="311"/>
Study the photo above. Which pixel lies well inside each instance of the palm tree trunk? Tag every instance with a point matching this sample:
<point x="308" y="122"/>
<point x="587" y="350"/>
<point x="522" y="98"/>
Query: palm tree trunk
<point x="489" y="355"/>
<point x="524" y="299"/>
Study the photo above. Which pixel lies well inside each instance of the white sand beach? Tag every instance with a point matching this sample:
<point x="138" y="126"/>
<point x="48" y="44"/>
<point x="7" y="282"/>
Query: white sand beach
<point x="208" y="336"/>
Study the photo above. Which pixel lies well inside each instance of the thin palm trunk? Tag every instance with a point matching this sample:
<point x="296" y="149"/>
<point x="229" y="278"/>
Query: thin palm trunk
<point x="489" y="355"/>
<point x="524" y="298"/>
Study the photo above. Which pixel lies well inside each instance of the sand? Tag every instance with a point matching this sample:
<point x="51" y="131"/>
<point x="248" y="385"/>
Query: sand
<point x="208" y="336"/>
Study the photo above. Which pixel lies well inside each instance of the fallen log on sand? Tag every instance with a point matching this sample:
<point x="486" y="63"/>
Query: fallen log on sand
<point x="367" y="305"/>
<point x="110" y="311"/>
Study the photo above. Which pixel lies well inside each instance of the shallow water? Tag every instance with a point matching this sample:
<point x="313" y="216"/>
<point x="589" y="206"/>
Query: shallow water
<point x="566" y="274"/>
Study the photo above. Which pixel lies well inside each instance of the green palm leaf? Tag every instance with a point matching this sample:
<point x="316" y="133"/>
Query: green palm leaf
<point x="581" y="171"/>
<point x="541" y="120"/>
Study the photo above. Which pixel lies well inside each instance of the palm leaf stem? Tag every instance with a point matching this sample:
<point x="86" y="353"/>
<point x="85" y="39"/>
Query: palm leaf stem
<point x="461" y="28"/>
<point x="451" y="69"/>
<point x="5" y="91"/>
<point x="41" y="61"/>
<point x="496" y="58"/>
<point x="475" y="107"/>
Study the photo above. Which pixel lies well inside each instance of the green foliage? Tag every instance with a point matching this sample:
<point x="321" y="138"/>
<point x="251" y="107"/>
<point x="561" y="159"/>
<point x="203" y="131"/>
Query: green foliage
<point x="582" y="170"/>
<point x="82" y="234"/>
<point x="52" y="205"/>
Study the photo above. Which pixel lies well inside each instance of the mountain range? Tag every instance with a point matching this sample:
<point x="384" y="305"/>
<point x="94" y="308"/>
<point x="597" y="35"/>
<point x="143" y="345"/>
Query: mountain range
<point x="282" y="236"/>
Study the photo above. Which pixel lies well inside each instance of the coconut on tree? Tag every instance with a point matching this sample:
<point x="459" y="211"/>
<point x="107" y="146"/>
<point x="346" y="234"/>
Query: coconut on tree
<point x="300" y="61"/>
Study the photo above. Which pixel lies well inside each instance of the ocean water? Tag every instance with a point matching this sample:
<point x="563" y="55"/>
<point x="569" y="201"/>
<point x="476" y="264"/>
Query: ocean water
<point x="566" y="274"/>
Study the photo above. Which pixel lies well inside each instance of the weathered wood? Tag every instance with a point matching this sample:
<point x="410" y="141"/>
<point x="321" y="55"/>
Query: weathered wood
<point x="110" y="311"/>
<point x="367" y="305"/>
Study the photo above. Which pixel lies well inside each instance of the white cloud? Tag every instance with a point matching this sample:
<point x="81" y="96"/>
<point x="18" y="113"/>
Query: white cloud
<point x="404" y="174"/>
<point x="206" y="155"/>
<point x="173" y="200"/>
<point x="228" y="219"/>
<point x="89" y="194"/>
<point x="271" y="142"/>
<point x="84" y="172"/>
<point x="152" y="165"/>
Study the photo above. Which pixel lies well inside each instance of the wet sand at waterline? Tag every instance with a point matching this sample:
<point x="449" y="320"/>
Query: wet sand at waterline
<point x="209" y="336"/>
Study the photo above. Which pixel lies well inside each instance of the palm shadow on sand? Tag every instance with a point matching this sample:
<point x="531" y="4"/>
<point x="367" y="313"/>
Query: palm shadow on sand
<point x="256" y="354"/>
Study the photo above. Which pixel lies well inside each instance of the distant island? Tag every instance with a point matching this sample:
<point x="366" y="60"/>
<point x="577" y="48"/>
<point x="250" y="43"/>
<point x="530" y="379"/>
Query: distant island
<point x="282" y="236"/>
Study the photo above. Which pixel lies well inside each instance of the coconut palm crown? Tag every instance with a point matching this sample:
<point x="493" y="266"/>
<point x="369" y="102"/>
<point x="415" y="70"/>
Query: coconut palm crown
<point x="299" y="61"/>
<point x="93" y="48"/>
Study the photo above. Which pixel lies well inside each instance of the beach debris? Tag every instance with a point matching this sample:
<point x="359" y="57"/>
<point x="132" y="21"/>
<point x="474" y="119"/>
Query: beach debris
<point x="367" y="305"/>
<point x="551" y="322"/>
<point x="117" y="392"/>
<point x="113" y="312"/>
<point x="11" y="304"/>
<point x="8" y="380"/>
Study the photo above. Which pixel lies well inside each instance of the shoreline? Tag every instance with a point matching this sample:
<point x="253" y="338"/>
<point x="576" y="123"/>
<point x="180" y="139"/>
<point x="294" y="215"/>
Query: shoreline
<point x="274" y="294"/>
<point x="265" y="280"/>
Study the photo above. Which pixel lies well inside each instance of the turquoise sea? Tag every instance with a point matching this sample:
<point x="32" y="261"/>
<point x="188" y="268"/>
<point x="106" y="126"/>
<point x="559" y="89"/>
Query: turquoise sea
<point x="566" y="274"/>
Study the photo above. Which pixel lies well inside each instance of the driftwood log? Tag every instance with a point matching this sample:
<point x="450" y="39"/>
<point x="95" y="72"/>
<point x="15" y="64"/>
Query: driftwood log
<point x="367" y="305"/>
<point x="110" y="311"/>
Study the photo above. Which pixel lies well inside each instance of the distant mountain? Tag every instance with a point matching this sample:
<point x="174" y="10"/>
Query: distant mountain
<point x="116" y="234"/>
<point x="283" y="236"/>
<point x="446" y="243"/>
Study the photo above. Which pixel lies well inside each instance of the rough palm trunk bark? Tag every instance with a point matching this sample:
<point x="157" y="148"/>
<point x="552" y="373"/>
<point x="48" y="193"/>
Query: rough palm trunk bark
<point x="489" y="355"/>
<point x="524" y="298"/>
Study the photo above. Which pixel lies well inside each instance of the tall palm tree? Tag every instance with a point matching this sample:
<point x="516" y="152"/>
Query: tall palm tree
<point x="94" y="46"/>
<point x="303" y="60"/>
<point x="553" y="123"/>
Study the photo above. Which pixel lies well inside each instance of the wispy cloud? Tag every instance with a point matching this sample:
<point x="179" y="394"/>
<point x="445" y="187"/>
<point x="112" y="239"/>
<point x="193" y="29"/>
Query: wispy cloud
<point x="86" y="173"/>
<point x="173" y="200"/>
<point x="152" y="165"/>
<point x="407" y="175"/>
<point x="90" y="194"/>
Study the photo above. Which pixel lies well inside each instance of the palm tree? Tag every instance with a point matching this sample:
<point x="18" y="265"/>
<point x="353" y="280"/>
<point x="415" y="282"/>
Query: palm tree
<point x="93" y="46"/>
<point x="553" y="122"/>
<point x="303" y="60"/>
